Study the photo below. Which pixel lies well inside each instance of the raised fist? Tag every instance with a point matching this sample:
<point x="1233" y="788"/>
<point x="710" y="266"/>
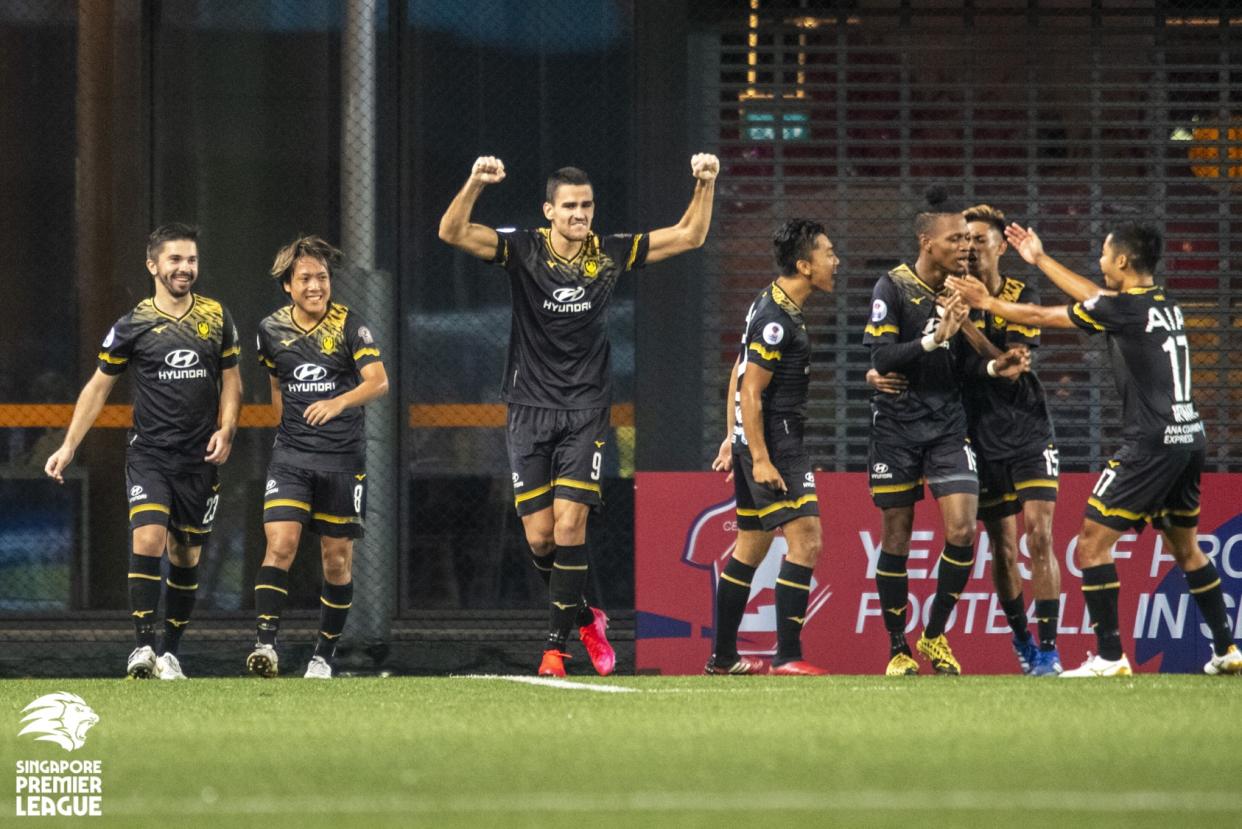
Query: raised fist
<point x="488" y="169"/>
<point x="704" y="166"/>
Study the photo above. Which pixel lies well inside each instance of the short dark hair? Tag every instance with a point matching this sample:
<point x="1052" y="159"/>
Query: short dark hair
<point x="170" y="232"/>
<point x="1142" y="243"/>
<point x="565" y="175"/>
<point x="793" y="241"/>
<point x="986" y="213"/>
<point x="313" y="246"/>
<point x="924" y="222"/>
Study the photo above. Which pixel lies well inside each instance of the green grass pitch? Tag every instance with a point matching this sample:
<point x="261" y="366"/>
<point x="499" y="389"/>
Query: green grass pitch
<point x="665" y="751"/>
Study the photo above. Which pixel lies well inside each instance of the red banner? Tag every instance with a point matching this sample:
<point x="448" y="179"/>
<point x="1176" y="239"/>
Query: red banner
<point x="685" y="531"/>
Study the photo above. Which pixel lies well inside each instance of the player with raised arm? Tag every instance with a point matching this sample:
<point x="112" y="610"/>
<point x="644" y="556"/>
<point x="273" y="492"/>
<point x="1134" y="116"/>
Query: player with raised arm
<point x="772" y="476"/>
<point x="325" y="365"/>
<point x="187" y="396"/>
<point x="1155" y="475"/>
<point x="920" y="433"/>
<point x="557" y="380"/>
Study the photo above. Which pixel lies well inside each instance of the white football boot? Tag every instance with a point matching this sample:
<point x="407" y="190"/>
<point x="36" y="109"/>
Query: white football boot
<point x="263" y="661"/>
<point x="318" y="668"/>
<point x="1097" y="665"/>
<point x="167" y="667"/>
<point x="141" y="664"/>
<point x="1230" y="662"/>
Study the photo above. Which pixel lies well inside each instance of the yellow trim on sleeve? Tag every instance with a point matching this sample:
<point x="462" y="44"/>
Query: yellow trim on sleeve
<point x="1022" y="329"/>
<point x="629" y="263"/>
<point x="881" y="330"/>
<point x="110" y="360"/>
<point x="764" y="353"/>
<point x="363" y="352"/>
<point x="229" y="352"/>
<point x="1085" y="317"/>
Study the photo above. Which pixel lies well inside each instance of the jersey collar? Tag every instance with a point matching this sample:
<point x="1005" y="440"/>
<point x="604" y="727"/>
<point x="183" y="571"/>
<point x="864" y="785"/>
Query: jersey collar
<point x="588" y="243"/>
<point x="165" y="315"/>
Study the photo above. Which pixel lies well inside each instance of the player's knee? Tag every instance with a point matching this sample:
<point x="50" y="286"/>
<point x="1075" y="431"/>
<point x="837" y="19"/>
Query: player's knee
<point x="280" y="552"/>
<point x="570" y="529"/>
<point x="960" y="533"/>
<point x="542" y="543"/>
<point x="806" y="550"/>
<point x="337" y="562"/>
<point x="1039" y="541"/>
<point x="150" y="540"/>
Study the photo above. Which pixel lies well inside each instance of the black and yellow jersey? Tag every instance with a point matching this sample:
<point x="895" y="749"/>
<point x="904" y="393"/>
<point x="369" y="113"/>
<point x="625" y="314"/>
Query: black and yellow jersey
<point x="176" y="364"/>
<point x="904" y="309"/>
<point x="318" y="364"/>
<point x="1008" y="418"/>
<point x="775" y="338"/>
<point x="1150" y="355"/>
<point x="558" y="336"/>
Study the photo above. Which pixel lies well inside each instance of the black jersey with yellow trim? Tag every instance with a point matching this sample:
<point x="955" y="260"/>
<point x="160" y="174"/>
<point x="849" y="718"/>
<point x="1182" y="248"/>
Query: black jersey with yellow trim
<point x="176" y="362"/>
<point x="904" y="308"/>
<point x="314" y="364"/>
<point x="1008" y="418"/>
<point x="775" y="338"/>
<point x="559" y="354"/>
<point x="1150" y="355"/>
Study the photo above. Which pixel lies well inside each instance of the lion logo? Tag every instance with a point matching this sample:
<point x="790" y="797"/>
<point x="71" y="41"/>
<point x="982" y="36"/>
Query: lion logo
<point x="329" y="345"/>
<point x="59" y="718"/>
<point x="204" y="330"/>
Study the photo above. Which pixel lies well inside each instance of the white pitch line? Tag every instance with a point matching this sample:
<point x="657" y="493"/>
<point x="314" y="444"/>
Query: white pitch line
<point x="550" y="682"/>
<point x="542" y="803"/>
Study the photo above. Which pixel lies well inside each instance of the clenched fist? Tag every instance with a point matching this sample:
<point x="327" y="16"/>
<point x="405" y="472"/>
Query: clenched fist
<point x="704" y="166"/>
<point x="488" y="169"/>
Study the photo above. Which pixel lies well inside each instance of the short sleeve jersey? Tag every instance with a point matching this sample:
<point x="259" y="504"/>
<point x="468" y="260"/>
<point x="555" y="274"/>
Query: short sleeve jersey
<point x="776" y="339"/>
<point x="176" y="363"/>
<point x="558" y="336"/>
<point x="318" y="364"/>
<point x="1008" y="418"/>
<point x="1150" y="355"/>
<point x="903" y="308"/>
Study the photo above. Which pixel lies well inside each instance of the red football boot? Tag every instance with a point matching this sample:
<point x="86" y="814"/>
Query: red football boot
<point x="796" y="668"/>
<point x="744" y="666"/>
<point x="603" y="657"/>
<point x="553" y="663"/>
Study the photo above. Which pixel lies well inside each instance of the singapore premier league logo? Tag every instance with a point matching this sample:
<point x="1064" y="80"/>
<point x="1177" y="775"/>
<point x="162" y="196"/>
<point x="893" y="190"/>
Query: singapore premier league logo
<point x="60" y="718"/>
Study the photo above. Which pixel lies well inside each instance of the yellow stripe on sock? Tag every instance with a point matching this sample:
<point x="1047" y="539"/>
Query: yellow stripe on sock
<point x="789" y="583"/>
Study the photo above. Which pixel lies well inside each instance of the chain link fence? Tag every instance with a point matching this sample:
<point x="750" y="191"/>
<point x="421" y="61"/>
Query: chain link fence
<point x="1067" y="116"/>
<point x="359" y="120"/>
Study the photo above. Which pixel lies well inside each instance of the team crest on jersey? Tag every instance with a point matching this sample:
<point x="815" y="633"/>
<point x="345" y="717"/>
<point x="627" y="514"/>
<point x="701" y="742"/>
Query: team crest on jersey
<point x="879" y="310"/>
<point x="328" y="345"/>
<point x="590" y="268"/>
<point x="773" y="333"/>
<point x="204" y="330"/>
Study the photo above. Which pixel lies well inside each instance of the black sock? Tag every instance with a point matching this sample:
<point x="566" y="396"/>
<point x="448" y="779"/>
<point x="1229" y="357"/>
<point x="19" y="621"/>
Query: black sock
<point x="955" y="564"/>
<point x="894" y="587"/>
<point x="543" y="565"/>
<point x="569" y="576"/>
<point x="732" y="593"/>
<point x="271" y="588"/>
<point x="585" y="616"/>
<point x="334" y="603"/>
<point x="1015" y="614"/>
<point x="1047" y="615"/>
<point x="793" y="591"/>
<point x="1100" y="589"/>
<point x="1204" y="585"/>
<point x="180" y="591"/>
<point x="144" y="596"/>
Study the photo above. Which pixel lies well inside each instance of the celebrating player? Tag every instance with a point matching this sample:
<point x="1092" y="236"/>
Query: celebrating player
<point x="557" y="381"/>
<point x="1155" y="475"/>
<point x="325" y="366"/>
<point x="187" y="396"/>
<point x="921" y="433"/>
<point x="773" y="480"/>
<point x="1011" y="431"/>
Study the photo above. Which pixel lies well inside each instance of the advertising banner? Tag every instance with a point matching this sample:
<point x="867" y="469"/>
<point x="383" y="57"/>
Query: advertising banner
<point x="685" y="531"/>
